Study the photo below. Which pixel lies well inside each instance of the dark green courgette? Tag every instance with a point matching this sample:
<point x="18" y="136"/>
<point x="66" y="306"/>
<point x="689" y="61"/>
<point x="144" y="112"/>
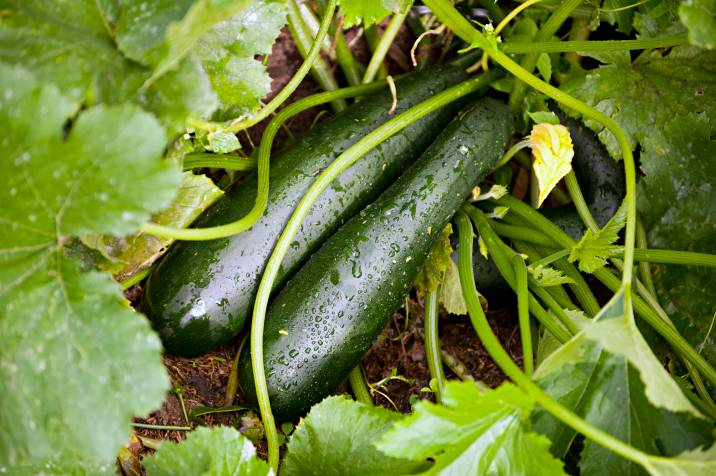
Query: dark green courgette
<point x="329" y="314"/>
<point x="201" y="293"/>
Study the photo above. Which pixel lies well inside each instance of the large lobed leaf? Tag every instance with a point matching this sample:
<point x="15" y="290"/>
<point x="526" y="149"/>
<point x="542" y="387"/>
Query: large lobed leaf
<point x="600" y="374"/>
<point x="474" y="433"/>
<point x="144" y="52"/>
<point x="76" y="363"/>
<point x="676" y="202"/>
<point x="667" y="104"/>
<point x="325" y="445"/>
<point x="219" y="451"/>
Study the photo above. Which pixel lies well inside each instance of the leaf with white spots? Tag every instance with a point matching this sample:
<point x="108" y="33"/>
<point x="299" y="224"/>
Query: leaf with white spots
<point x="76" y="362"/>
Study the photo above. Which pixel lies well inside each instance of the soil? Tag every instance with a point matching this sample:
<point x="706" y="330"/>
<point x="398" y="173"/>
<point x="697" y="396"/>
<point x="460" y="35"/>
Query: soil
<point x="202" y="381"/>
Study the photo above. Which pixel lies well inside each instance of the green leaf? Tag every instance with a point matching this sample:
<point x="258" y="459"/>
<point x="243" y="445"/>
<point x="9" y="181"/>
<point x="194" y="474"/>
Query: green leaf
<point x="450" y="293"/>
<point x="184" y="91"/>
<point x="149" y="58"/>
<point x="609" y="392"/>
<point x="323" y="445"/>
<point x="543" y="116"/>
<point x="138" y="251"/>
<point x="655" y="91"/>
<point x="622" y="18"/>
<point x="75" y="49"/>
<point x="227" y="52"/>
<point x="474" y="433"/>
<point x="161" y="34"/>
<point x="437" y="262"/>
<point x="544" y="66"/>
<point x="689" y="463"/>
<point x="548" y="276"/>
<point x="620" y="335"/>
<point x="594" y="249"/>
<point x="223" y="142"/>
<point x="69" y="344"/>
<point x="699" y="16"/>
<point x="219" y="451"/>
<point x="368" y="12"/>
<point x="675" y="200"/>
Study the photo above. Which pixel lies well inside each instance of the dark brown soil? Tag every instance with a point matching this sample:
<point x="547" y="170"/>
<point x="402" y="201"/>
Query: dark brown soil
<point x="202" y="381"/>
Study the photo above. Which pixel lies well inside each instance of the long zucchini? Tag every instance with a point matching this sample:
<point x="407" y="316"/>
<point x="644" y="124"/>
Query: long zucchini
<point x="329" y="314"/>
<point x="200" y="294"/>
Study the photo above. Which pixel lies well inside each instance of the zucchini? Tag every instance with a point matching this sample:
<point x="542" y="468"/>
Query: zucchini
<point x="329" y="314"/>
<point x="200" y="294"/>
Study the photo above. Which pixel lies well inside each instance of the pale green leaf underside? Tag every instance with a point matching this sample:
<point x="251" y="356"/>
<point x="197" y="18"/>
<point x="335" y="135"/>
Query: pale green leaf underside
<point x="607" y="390"/>
<point x="70" y="346"/>
<point x="217" y="451"/>
<point x="474" y="433"/>
<point x="137" y="251"/>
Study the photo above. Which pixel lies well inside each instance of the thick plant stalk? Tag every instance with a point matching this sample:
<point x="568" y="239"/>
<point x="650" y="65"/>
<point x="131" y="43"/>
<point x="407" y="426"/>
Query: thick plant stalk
<point x="319" y="70"/>
<point x="359" y="387"/>
<point x="432" y="342"/>
<point x="381" y="49"/>
<point x="503" y="360"/>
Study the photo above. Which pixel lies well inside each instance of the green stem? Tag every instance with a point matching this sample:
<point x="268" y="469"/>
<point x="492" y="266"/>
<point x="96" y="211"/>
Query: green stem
<point x="579" y="31"/>
<point x="342" y="162"/>
<point x="319" y="70"/>
<point x="545" y="33"/>
<point x="662" y="327"/>
<point x="523" y="314"/>
<point x="147" y="426"/>
<point x="579" y="202"/>
<point x="359" y="387"/>
<point x="135" y="278"/>
<point x="644" y="266"/>
<point x="502" y="261"/>
<point x="592" y="46"/>
<point x="371" y="37"/>
<point x="537" y="237"/>
<point x="493" y="9"/>
<point x="557" y="292"/>
<point x="215" y="161"/>
<point x="280" y="98"/>
<point x="688" y="258"/>
<point x="381" y="49"/>
<point x="584" y="11"/>
<point x="522" y="233"/>
<point x="503" y="360"/>
<point x="432" y="342"/>
<point x="579" y="287"/>
<point x="350" y="67"/>
<point x="247" y="221"/>
<point x="457" y="366"/>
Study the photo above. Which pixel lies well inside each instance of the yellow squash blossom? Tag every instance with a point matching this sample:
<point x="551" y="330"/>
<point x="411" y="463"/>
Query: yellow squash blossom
<point x="553" y="151"/>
